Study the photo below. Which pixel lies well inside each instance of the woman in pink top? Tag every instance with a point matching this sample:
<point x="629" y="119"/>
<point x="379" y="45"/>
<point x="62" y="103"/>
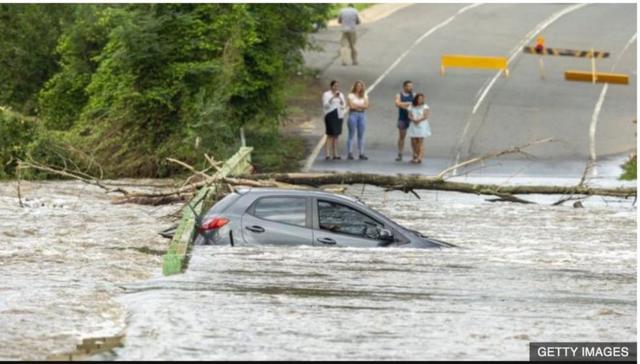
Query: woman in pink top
<point x="358" y="103"/>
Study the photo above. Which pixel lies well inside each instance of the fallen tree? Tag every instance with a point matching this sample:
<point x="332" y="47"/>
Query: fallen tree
<point x="407" y="183"/>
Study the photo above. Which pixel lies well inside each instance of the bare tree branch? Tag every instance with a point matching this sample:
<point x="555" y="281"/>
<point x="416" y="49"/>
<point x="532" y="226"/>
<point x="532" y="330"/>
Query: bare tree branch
<point x="60" y="172"/>
<point x="512" y="150"/>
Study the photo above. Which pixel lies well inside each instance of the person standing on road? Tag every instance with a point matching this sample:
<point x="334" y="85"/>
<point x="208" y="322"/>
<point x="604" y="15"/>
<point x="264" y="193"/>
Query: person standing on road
<point x="404" y="100"/>
<point x="334" y="105"/>
<point x="349" y="18"/>
<point x="358" y="102"/>
<point x="419" y="128"/>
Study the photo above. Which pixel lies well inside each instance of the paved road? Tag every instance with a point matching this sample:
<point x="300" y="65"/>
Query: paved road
<point x="477" y="111"/>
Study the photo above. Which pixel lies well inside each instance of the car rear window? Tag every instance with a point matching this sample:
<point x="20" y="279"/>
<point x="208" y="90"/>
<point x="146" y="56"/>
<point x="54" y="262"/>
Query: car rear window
<point x="227" y="201"/>
<point x="287" y="210"/>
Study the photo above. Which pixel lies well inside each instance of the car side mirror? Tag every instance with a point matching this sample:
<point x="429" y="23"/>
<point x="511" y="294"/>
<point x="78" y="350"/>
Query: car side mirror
<point x="385" y="235"/>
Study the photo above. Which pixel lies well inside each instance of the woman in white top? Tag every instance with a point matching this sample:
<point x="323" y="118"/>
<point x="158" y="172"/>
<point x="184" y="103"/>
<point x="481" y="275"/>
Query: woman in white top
<point x="358" y="103"/>
<point x="334" y="106"/>
<point x="419" y="128"/>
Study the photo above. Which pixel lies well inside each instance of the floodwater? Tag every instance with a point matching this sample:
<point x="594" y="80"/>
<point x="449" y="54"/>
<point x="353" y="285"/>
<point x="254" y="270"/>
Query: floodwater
<point x="523" y="273"/>
<point x="63" y="259"/>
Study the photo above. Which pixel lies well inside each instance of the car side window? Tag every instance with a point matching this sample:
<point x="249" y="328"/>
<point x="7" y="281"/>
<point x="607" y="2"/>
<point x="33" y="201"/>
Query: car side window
<point x="288" y="210"/>
<point x="339" y="218"/>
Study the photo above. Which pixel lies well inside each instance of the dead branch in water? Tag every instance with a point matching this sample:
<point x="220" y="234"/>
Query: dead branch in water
<point x="19" y="192"/>
<point x="65" y="173"/>
<point x="509" y="198"/>
<point x="565" y="199"/>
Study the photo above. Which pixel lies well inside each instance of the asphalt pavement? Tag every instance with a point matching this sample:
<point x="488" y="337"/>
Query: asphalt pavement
<point x="475" y="112"/>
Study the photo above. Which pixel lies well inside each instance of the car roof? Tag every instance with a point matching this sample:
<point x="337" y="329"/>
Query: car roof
<point x="293" y="192"/>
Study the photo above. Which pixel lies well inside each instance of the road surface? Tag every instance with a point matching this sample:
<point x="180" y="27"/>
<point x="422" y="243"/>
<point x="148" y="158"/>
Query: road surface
<point x="475" y="112"/>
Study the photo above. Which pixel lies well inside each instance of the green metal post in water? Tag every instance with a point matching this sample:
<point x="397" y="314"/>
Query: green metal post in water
<point x="176" y="258"/>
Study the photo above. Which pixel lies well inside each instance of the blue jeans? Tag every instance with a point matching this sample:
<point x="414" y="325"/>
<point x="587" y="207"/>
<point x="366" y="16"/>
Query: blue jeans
<point x="357" y="123"/>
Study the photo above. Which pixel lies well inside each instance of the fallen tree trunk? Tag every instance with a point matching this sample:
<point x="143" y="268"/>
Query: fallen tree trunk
<point x="408" y="183"/>
<point x="405" y="183"/>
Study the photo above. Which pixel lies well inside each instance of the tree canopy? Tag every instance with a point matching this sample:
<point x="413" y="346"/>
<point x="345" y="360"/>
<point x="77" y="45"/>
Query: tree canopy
<point x="126" y="86"/>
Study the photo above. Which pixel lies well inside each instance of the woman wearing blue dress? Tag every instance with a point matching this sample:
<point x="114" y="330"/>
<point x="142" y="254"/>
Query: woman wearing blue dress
<point x="419" y="129"/>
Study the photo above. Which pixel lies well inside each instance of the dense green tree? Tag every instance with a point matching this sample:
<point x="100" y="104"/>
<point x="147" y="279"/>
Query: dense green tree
<point x="27" y="50"/>
<point x="64" y="96"/>
<point x="133" y="84"/>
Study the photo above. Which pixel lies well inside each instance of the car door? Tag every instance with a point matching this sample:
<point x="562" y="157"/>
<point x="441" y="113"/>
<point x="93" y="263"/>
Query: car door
<point x="278" y="220"/>
<point x="339" y="224"/>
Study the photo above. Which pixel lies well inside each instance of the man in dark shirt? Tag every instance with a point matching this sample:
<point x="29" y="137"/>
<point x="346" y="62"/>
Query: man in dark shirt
<point x="404" y="100"/>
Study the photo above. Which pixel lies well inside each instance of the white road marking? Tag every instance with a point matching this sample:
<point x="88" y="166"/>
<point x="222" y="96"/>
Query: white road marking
<point x="596" y="112"/>
<point x="418" y="41"/>
<point x="592" y="130"/>
<point x="318" y="147"/>
<point x="512" y="56"/>
<point x="527" y="39"/>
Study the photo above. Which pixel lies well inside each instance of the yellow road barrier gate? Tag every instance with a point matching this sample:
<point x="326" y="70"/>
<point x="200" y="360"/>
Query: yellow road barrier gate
<point x="572" y="75"/>
<point x="600" y="77"/>
<point x="469" y="61"/>
<point x="565" y="52"/>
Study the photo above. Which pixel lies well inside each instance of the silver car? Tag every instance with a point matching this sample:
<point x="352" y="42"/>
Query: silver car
<point x="261" y="216"/>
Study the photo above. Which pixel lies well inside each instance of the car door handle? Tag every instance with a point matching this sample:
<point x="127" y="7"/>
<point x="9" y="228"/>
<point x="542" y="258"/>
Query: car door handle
<point x="255" y="229"/>
<point x="328" y="241"/>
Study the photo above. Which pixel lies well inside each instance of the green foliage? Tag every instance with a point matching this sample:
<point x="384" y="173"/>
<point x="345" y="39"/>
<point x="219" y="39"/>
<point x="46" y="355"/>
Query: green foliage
<point x="130" y="85"/>
<point x="16" y="132"/>
<point x="630" y="168"/>
<point x="63" y="96"/>
<point x="27" y="50"/>
<point x="274" y="152"/>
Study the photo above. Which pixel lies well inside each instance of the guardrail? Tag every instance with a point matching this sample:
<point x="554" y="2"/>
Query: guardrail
<point x="176" y="258"/>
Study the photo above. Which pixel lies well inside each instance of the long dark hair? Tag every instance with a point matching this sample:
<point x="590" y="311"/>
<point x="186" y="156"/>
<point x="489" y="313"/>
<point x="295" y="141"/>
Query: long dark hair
<point x="416" y="97"/>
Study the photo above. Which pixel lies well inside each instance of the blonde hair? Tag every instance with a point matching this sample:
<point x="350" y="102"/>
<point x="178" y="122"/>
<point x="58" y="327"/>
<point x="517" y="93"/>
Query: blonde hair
<point x="353" y="88"/>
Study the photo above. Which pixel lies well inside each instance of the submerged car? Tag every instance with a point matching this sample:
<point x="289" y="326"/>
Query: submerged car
<point x="262" y="216"/>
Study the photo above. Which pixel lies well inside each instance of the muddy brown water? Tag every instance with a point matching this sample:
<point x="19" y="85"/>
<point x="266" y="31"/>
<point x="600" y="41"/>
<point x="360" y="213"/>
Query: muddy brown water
<point x="80" y="267"/>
